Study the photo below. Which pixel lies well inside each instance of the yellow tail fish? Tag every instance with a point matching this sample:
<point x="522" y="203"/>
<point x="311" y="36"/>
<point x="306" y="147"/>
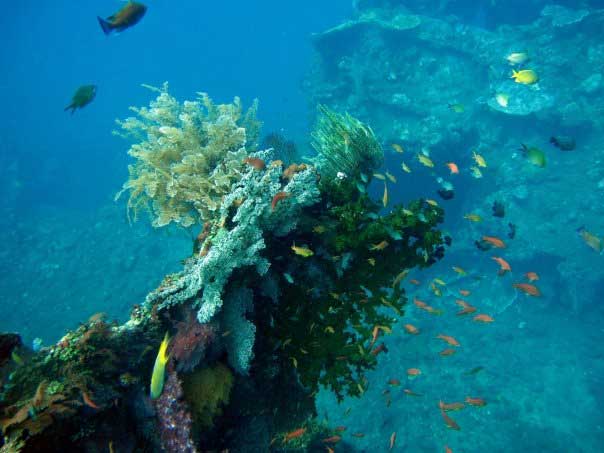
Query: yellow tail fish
<point x="159" y="369"/>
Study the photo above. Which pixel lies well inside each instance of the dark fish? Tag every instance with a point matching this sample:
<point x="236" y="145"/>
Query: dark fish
<point x="498" y="209"/>
<point x="512" y="232"/>
<point x="126" y="17"/>
<point x="564" y="142"/>
<point x="446" y="194"/>
<point x="475" y="370"/>
<point x="482" y="245"/>
<point x="82" y="97"/>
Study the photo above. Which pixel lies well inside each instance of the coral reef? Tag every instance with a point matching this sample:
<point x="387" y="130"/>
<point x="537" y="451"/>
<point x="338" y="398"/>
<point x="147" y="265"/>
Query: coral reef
<point x="291" y="285"/>
<point x="188" y="157"/>
<point x="174" y="419"/>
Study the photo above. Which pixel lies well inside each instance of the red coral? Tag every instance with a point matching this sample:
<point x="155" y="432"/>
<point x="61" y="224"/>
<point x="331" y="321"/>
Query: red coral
<point x="190" y="342"/>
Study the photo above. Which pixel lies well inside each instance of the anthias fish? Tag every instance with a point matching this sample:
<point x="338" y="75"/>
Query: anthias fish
<point x="82" y="97"/>
<point x="125" y="18"/>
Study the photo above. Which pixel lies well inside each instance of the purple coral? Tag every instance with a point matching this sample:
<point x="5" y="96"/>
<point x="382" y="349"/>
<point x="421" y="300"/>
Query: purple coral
<point x="173" y="418"/>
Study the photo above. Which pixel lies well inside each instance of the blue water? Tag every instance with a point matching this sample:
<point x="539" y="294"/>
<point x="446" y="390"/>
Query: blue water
<point x="69" y="252"/>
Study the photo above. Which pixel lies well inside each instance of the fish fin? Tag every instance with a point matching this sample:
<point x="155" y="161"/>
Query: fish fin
<point x="105" y="25"/>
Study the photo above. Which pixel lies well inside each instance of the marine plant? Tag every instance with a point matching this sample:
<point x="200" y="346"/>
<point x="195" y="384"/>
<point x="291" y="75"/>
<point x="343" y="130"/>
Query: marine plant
<point x="188" y="156"/>
<point x="344" y="145"/>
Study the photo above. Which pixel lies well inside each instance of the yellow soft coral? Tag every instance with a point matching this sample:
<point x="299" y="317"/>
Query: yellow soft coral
<point x="207" y="391"/>
<point x="188" y="156"/>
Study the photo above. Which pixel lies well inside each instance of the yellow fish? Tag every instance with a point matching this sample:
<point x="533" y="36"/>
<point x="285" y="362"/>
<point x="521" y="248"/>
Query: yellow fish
<point x="517" y="58"/>
<point x="294" y="361"/>
<point x="389" y="304"/>
<point x="425" y="160"/>
<point x="479" y="159"/>
<point x="405" y="168"/>
<point x="390" y="177"/>
<point x="476" y="173"/>
<point x="432" y="202"/>
<point x="381" y="246"/>
<point x="398" y="148"/>
<point x="525" y="77"/>
<point x="407" y="212"/>
<point x="459" y="270"/>
<point x="329" y="329"/>
<point x="304" y="252"/>
<point x="371" y="261"/>
<point x="457" y="108"/>
<point x="436" y="290"/>
<point x="502" y="99"/>
<point x="379" y="176"/>
<point x="385" y="197"/>
<point x="159" y="369"/>
<point x="438" y="281"/>
<point x="319" y="229"/>
<point x="590" y="239"/>
<point x="400" y="277"/>
<point x="473" y="217"/>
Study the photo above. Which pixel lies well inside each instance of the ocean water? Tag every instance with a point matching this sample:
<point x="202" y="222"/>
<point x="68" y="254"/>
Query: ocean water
<point x="69" y="252"/>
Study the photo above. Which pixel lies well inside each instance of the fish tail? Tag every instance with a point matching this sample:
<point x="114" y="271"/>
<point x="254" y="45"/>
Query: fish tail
<point x="70" y="106"/>
<point x="105" y="25"/>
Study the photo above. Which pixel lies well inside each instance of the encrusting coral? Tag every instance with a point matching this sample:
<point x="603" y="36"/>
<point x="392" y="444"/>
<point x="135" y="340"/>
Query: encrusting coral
<point x="188" y="156"/>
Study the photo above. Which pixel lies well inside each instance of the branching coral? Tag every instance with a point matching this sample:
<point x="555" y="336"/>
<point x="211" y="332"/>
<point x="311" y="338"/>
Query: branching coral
<point x="247" y="214"/>
<point x="188" y="156"/>
<point x="344" y="145"/>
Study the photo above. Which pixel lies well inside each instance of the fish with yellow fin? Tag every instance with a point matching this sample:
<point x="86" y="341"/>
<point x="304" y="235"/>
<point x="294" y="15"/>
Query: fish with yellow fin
<point x="385" y="196"/>
<point x="304" y="252"/>
<point x="159" y="369"/>
<point x="398" y="148"/>
<point x="480" y="161"/>
<point x="591" y="240"/>
<point x="525" y="77"/>
<point x="473" y="217"/>
<point x="425" y="160"/>
<point x="391" y="178"/>
<point x="405" y="168"/>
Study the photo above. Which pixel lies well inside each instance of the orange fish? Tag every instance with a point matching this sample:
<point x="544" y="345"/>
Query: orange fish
<point x="451" y="424"/>
<point x="414" y="372"/>
<point x="392" y="440"/>
<point x="531" y="276"/>
<point x="448" y="339"/>
<point x="527" y="288"/>
<point x="332" y="440"/>
<point x="340" y="428"/>
<point x="494" y="241"/>
<point x="394" y="382"/>
<point x="380" y="348"/>
<point x="476" y="401"/>
<point x="411" y="392"/>
<point x="358" y="435"/>
<point x="414" y="282"/>
<point x="448" y="450"/>
<point x="329" y="449"/>
<point x="450" y="406"/>
<point x="503" y="264"/>
<point x="294" y="434"/>
<point x="419" y="303"/>
<point x="255" y="162"/>
<point x="277" y="198"/>
<point x="89" y="401"/>
<point x="447" y="352"/>
<point x="464" y="292"/>
<point x="381" y="246"/>
<point x="432" y="310"/>
<point x="483" y="318"/>
<point x="410" y="328"/>
<point x="453" y="167"/>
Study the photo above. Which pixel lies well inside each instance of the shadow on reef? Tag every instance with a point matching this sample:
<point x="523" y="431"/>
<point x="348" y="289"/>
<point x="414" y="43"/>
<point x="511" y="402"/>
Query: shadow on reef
<point x="293" y="283"/>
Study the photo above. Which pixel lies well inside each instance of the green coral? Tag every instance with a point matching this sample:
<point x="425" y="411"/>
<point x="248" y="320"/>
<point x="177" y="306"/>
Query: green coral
<point x="345" y="145"/>
<point x="188" y="156"/>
